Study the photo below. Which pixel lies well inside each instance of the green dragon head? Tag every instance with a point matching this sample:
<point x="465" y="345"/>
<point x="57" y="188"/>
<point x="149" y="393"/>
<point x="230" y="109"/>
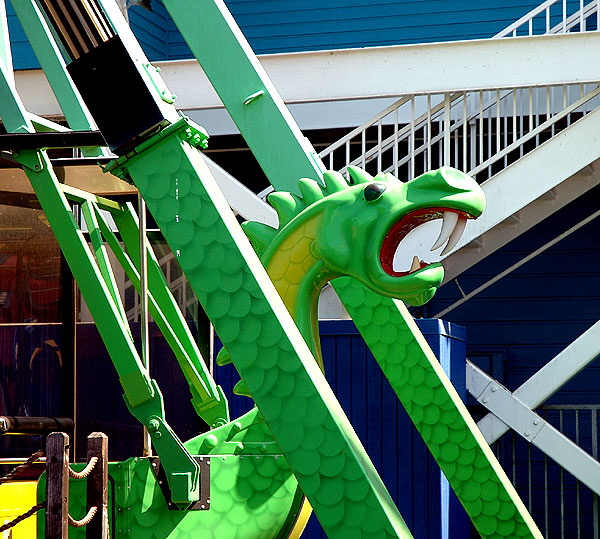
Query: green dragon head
<point x="358" y="227"/>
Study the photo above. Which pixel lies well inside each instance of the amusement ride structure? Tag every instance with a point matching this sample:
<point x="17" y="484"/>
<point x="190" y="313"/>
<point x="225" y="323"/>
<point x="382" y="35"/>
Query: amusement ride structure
<point x="258" y="475"/>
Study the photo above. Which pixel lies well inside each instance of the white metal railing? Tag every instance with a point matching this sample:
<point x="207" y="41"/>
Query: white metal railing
<point x="478" y="131"/>
<point x="178" y="284"/>
<point x="562" y="506"/>
<point x="556" y="17"/>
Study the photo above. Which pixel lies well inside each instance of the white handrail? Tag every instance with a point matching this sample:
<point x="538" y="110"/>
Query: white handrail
<point x="526" y="18"/>
<point x="566" y="24"/>
<point x="479" y="131"/>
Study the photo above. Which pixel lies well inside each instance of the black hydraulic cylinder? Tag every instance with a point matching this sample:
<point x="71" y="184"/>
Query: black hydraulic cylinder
<point x="35" y="425"/>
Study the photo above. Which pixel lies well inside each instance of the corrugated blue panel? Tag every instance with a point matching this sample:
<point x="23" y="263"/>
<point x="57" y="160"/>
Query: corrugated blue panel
<point x="151" y="29"/>
<point x="272" y="26"/>
<point x="393" y="444"/>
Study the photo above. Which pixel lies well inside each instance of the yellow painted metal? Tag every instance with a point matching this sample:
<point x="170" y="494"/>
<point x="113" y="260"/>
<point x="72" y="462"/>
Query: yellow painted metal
<point x="15" y="499"/>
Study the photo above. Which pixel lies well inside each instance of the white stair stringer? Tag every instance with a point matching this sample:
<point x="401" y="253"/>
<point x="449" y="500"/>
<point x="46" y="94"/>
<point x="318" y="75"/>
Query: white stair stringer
<point x="529" y="190"/>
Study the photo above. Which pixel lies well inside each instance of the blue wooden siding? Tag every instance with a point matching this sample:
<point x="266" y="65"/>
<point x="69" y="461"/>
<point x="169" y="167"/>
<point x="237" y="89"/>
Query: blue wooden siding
<point x="275" y="26"/>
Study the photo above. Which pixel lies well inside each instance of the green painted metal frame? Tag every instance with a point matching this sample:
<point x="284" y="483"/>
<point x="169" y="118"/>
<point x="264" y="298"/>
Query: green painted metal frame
<point x="386" y="325"/>
<point x="271" y="133"/>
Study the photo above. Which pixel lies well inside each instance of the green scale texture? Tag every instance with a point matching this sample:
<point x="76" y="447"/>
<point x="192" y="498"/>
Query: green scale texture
<point x="250" y="497"/>
<point x="315" y="436"/>
<point x="305" y="251"/>
<point x="439" y="415"/>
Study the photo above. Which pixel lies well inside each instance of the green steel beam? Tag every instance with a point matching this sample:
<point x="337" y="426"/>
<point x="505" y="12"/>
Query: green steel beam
<point x="270" y="131"/>
<point x="246" y="90"/>
<point x="12" y="112"/>
<point x="90" y="217"/>
<point x="267" y="349"/>
<point x="207" y="398"/>
<point x="5" y="53"/>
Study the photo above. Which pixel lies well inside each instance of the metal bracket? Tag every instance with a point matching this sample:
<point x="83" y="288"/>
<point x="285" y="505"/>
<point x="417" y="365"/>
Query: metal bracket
<point x="518" y="416"/>
<point x="203" y="503"/>
<point x="159" y="83"/>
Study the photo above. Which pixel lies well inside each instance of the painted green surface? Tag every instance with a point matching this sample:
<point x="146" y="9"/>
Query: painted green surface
<point x="376" y="313"/>
<point x="250" y="498"/>
<point x="441" y="418"/>
<point x="308" y="423"/>
<point x="245" y="89"/>
<point x="296" y="402"/>
<point x="339" y="230"/>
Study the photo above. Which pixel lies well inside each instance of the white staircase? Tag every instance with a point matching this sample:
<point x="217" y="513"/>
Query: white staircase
<point x="532" y="148"/>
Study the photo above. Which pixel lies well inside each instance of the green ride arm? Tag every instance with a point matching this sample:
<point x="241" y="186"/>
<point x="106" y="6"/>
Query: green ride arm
<point x="267" y="349"/>
<point x="207" y="397"/>
<point x="269" y="130"/>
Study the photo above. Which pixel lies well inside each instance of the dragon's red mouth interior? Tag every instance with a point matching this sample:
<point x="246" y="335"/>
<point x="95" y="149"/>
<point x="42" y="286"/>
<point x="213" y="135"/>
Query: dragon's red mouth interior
<point x="399" y="231"/>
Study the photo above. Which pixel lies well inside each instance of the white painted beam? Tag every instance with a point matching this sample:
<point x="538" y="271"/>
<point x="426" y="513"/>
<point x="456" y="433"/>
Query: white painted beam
<point x="242" y="201"/>
<point x="549" y="379"/>
<point x="517" y="415"/>
<point x="380" y="72"/>
<point x="409" y="69"/>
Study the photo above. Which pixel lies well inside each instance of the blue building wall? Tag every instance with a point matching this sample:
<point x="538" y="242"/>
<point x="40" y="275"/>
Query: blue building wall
<point x="274" y="26"/>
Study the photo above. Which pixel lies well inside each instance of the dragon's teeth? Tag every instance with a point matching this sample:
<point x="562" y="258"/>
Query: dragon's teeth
<point x="415" y="265"/>
<point x="449" y="222"/>
<point x="455" y="236"/>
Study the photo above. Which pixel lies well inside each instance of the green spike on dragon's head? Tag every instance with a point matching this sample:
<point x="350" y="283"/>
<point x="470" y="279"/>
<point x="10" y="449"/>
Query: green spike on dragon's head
<point x="358" y="228"/>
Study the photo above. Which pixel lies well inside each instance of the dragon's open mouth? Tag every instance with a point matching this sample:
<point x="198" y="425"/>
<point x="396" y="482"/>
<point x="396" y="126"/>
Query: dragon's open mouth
<point x="453" y="225"/>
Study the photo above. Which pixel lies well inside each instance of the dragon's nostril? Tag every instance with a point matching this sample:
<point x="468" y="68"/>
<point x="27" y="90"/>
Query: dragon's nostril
<point x="373" y="191"/>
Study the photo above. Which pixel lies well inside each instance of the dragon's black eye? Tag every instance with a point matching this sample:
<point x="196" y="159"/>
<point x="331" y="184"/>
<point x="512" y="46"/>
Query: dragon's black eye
<point x="373" y="191"/>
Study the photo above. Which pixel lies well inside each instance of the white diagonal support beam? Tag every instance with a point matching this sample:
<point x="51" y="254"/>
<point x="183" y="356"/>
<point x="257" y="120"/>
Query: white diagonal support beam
<point x="517" y="415"/>
<point x="549" y="379"/>
<point x="242" y="201"/>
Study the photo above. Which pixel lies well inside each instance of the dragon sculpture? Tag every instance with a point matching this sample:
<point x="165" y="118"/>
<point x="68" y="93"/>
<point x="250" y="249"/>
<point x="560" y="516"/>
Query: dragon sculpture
<point x="355" y="229"/>
<point x="254" y="492"/>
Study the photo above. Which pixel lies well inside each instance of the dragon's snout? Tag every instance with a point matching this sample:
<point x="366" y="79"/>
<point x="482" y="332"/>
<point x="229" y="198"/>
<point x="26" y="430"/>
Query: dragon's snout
<point x="426" y="221"/>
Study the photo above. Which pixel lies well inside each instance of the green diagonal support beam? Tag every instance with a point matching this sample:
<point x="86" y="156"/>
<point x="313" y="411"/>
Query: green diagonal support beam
<point x="245" y="89"/>
<point x="5" y="54"/>
<point x="290" y="391"/>
<point x="90" y="216"/>
<point x="479" y="482"/>
<point x="142" y="395"/>
<point x="207" y="398"/>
